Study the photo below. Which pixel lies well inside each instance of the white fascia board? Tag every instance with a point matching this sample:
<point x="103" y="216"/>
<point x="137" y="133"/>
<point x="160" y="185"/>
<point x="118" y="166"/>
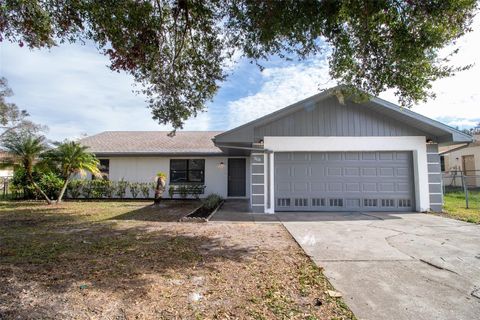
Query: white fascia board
<point x="416" y="144"/>
<point x="299" y="144"/>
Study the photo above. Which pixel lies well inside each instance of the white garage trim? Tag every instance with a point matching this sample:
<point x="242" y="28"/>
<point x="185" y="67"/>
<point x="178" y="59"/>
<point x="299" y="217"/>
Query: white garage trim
<point x="416" y="144"/>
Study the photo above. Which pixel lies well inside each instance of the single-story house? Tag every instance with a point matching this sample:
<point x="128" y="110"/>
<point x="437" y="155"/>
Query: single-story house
<point x="320" y="154"/>
<point x="463" y="159"/>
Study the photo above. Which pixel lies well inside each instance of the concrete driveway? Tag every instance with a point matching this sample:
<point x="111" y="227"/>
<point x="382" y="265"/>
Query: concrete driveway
<point x="395" y="266"/>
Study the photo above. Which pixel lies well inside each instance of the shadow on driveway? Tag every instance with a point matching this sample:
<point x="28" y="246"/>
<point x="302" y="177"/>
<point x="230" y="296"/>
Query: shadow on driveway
<point x="238" y="211"/>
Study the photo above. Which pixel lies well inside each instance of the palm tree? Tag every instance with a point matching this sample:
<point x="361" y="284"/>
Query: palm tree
<point x="27" y="148"/>
<point x="71" y="158"/>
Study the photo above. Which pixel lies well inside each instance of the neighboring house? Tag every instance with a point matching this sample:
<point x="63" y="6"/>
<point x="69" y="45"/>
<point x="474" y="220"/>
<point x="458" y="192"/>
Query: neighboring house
<point x="315" y="155"/>
<point x="6" y="166"/>
<point x="464" y="160"/>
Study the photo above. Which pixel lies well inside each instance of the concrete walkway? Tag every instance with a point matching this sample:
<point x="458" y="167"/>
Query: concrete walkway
<point x="237" y="210"/>
<point x="395" y="266"/>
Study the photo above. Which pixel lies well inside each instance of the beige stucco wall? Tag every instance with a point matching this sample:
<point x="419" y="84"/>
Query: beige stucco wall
<point x="453" y="161"/>
<point x="6" y="172"/>
<point x="144" y="169"/>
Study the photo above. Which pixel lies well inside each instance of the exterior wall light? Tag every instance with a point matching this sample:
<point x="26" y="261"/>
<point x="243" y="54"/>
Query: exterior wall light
<point x="221" y="165"/>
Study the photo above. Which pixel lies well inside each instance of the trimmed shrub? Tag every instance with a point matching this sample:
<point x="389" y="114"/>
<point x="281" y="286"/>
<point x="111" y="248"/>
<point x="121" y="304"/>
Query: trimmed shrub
<point x="183" y="191"/>
<point x="121" y="188"/>
<point x="87" y="189"/>
<point x="134" y="189"/>
<point x="74" y="189"/>
<point x="101" y="188"/>
<point x="51" y="184"/>
<point x="196" y="190"/>
<point x="145" y="188"/>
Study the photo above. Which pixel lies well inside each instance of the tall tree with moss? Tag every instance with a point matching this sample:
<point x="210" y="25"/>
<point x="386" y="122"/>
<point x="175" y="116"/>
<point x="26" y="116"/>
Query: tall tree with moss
<point x="14" y="120"/>
<point x="71" y="159"/>
<point x="179" y="50"/>
<point x="26" y="149"/>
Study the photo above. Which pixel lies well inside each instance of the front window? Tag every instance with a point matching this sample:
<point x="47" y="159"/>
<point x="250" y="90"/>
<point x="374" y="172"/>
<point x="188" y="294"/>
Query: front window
<point x="187" y="170"/>
<point x="104" y="167"/>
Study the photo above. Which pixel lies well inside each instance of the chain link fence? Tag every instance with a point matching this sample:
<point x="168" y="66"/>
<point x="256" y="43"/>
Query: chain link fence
<point x="466" y="182"/>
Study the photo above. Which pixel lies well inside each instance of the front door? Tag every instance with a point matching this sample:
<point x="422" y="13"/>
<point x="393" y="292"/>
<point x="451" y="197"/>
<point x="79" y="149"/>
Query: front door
<point x="469" y="170"/>
<point x="236" y="177"/>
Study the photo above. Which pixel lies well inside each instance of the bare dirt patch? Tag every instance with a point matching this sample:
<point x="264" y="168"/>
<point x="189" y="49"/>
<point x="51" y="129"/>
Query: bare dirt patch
<point x="79" y="262"/>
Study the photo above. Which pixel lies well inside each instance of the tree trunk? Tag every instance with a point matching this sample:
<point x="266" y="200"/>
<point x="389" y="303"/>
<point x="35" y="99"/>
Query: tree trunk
<point x="159" y="190"/>
<point x="62" y="191"/>
<point x="35" y="185"/>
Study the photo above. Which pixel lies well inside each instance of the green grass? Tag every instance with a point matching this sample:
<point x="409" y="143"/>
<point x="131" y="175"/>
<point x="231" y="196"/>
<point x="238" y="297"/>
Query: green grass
<point x="454" y="206"/>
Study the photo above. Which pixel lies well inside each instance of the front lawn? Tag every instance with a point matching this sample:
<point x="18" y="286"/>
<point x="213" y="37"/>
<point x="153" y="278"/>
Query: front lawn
<point x="454" y="206"/>
<point x="84" y="260"/>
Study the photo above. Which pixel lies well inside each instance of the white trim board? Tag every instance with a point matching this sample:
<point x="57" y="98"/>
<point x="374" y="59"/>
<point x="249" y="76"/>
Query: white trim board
<point x="416" y="144"/>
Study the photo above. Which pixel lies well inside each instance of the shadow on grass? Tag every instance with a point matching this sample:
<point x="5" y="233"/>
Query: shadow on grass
<point x="167" y="211"/>
<point x="103" y="257"/>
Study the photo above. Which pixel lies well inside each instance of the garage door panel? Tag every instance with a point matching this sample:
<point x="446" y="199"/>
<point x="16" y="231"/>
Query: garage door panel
<point x="352" y="203"/>
<point x="401" y="156"/>
<point x="369" y="156"/>
<point x="334" y="172"/>
<point x="352" y="187"/>
<point x="385" y="155"/>
<point x="300" y="171"/>
<point x="403" y="187"/>
<point x="317" y="172"/>
<point x="369" y="187"/>
<point x="386" y="172"/>
<point x="300" y="156"/>
<point x="300" y="186"/>
<point x="335" y="187"/>
<point x="386" y="187"/>
<point x="280" y="157"/>
<point x="334" y="156"/>
<point x="403" y="172"/>
<point x="318" y="157"/>
<point x="317" y="187"/>
<point x="352" y="156"/>
<point x="351" y="172"/>
<point x="369" y="172"/>
<point x="282" y="186"/>
<point x="348" y="181"/>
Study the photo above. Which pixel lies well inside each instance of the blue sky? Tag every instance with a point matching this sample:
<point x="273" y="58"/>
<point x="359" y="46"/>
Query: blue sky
<point x="70" y="89"/>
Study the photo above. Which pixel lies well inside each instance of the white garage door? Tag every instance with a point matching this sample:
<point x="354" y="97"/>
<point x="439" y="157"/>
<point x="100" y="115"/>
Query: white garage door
<point x="344" y="181"/>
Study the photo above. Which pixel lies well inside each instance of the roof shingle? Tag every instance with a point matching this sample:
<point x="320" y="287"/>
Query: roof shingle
<point x="152" y="142"/>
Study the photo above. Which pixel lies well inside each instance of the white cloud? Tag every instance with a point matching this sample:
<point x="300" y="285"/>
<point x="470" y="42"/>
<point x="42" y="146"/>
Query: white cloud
<point x="70" y="89"/>
<point x="281" y="87"/>
<point x="463" y="123"/>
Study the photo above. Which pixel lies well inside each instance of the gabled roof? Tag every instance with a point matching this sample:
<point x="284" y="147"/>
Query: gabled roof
<point x="442" y="132"/>
<point x="152" y="143"/>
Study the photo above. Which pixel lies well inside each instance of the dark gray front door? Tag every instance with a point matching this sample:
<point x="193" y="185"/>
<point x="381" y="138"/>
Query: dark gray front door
<point x="344" y="181"/>
<point x="236" y="177"/>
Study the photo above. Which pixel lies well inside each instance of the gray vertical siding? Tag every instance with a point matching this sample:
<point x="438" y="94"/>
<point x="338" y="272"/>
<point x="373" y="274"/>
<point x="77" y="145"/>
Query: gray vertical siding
<point x="257" y="161"/>
<point x="434" y="178"/>
<point x="331" y="118"/>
